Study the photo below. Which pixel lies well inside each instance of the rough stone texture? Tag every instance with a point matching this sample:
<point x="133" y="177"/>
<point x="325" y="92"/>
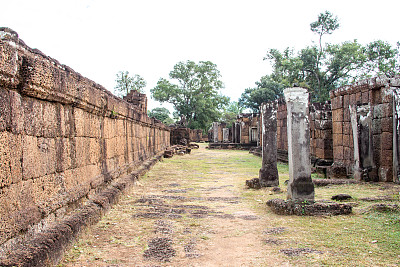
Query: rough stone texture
<point x="282" y="207"/>
<point x="253" y="183"/>
<point x="321" y="143"/>
<point x="62" y="137"/>
<point x="300" y="185"/>
<point x="370" y="156"/>
<point x="269" y="170"/>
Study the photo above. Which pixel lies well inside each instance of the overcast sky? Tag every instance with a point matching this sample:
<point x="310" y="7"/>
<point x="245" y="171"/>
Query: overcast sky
<point x="98" y="38"/>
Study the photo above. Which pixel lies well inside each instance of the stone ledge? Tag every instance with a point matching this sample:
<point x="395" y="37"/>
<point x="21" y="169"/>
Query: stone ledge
<point x="283" y="207"/>
<point x="326" y="182"/>
<point x="47" y="247"/>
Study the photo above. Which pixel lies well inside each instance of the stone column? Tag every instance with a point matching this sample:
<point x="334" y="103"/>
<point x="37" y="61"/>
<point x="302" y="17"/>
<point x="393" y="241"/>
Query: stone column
<point x="225" y="135"/>
<point x="269" y="171"/>
<point x="300" y="185"/>
<point x="215" y="132"/>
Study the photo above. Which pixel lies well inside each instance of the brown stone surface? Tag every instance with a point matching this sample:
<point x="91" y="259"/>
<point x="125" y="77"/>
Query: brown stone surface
<point x="283" y="207"/>
<point x="62" y="137"/>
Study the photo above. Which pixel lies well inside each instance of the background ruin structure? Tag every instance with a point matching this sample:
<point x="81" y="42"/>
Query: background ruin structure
<point x="63" y="138"/>
<point x="375" y="109"/>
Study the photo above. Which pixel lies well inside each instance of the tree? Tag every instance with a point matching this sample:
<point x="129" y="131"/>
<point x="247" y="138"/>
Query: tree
<point x="324" y="68"/>
<point x="161" y="114"/>
<point x="125" y="83"/>
<point x="230" y="113"/>
<point x="266" y="90"/>
<point x="195" y="97"/>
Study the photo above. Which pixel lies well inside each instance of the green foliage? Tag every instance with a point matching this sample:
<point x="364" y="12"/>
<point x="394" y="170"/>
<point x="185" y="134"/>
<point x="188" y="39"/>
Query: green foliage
<point x="326" y="67"/>
<point x="231" y="112"/>
<point x="161" y="114"/>
<point x="125" y="83"/>
<point x="267" y="90"/>
<point x="195" y="96"/>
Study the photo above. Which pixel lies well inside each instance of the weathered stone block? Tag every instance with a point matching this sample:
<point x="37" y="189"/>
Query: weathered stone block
<point x="387" y="141"/>
<point x="365" y="97"/>
<point x="282" y="207"/>
<point x="385" y="174"/>
<point x="338" y="153"/>
<point x="387" y="124"/>
<point x="348" y="153"/>
<point x="17" y="113"/>
<point x="39" y="157"/>
<point x="64" y="157"/>
<point x="337" y="140"/>
<point x="346" y="140"/>
<point x="376" y="97"/>
<point x="33" y="116"/>
<point x="337" y="127"/>
<point x="386" y="157"/>
<point x="337" y="102"/>
<point x="337" y="115"/>
<point x="5" y="110"/>
<point x="50" y="125"/>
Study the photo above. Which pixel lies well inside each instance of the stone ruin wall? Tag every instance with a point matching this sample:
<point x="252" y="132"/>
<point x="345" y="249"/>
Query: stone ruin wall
<point x="320" y="121"/>
<point x="321" y="143"/>
<point x="378" y="95"/>
<point x="62" y="138"/>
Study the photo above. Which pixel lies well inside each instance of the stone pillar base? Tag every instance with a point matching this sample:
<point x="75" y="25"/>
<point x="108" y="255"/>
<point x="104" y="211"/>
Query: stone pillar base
<point x="301" y="189"/>
<point x="269" y="176"/>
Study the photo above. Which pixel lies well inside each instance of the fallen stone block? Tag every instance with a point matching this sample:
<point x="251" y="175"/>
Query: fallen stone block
<point x="305" y="208"/>
<point x="253" y="183"/>
<point x="341" y="197"/>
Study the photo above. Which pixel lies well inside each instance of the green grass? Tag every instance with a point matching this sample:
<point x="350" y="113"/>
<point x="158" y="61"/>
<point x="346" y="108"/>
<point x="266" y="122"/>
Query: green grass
<point x="364" y="238"/>
<point x="359" y="239"/>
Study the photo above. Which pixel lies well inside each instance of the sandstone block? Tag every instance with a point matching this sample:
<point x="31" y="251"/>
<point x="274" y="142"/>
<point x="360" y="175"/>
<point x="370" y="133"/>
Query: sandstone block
<point x="385" y="174"/>
<point x="337" y="127"/>
<point x="5" y="110"/>
<point x="337" y="115"/>
<point x="33" y="118"/>
<point x="386" y="157"/>
<point x="387" y="140"/>
<point x="39" y="157"/>
<point x="338" y="153"/>
<point x="17" y="113"/>
<point x="387" y="124"/>
<point x="50" y="124"/>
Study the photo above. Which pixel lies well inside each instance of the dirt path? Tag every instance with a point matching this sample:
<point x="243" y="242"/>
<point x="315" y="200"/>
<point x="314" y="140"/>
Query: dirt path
<point x="188" y="211"/>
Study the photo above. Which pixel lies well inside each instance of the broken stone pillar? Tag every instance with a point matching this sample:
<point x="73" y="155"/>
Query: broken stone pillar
<point x="215" y="132"/>
<point x="225" y="135"/>
<point x="269" y="170"/>
<point x="300" y="187"/>
<point x="237" y="132"/>
<point x="361" y="122"/>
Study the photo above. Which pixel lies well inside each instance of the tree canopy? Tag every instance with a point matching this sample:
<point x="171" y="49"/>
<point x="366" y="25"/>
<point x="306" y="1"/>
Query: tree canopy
<point x="161" y="114"/>
<point x="323" y="67"/>
<point x="230" y="113"/>
<point x="195" y="95"/>
<point x="266" y="90"/>
<point x="125" y="82"/>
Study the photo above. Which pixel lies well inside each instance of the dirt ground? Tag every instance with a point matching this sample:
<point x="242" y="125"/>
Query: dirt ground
<point x="187" y="211"/>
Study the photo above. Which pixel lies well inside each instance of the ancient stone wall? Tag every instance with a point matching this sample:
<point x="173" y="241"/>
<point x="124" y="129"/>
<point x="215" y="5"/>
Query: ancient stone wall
<point x="249" y="128"/>
<point x="321" y="144"/>
<point x="281" y="131"/>
<point x="62" y="138"/>
<point x="320" y="118"/>
<point x="376" y="97"/>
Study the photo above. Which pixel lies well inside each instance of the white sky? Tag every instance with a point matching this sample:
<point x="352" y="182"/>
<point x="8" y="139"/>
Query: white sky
<point x="98" y="38"/>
